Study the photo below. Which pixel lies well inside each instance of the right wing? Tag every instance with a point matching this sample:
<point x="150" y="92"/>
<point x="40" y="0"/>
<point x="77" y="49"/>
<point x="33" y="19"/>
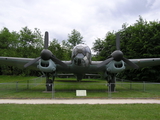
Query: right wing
<point x="17" y="62"/>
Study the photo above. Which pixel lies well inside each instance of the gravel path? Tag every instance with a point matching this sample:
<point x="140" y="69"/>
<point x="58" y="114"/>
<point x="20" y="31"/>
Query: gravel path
<point x="79" y="101"/>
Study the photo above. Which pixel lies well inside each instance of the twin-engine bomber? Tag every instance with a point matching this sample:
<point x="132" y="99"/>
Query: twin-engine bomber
<point x="80" y="63"/>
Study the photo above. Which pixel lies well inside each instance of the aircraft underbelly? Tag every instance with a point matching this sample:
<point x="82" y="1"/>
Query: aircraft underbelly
<point x="82" y="69"/>
<point x="79" y="69"/>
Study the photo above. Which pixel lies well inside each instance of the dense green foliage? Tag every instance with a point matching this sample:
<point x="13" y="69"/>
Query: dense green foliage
<point x="25" y="43"/>
<point x="140" y="40"/>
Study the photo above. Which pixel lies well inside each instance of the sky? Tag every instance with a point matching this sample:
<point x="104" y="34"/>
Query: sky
<point x="92" y="18"/>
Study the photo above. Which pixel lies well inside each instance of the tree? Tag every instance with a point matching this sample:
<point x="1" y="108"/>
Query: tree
<point x="67" y="50"/>
<point x="60" y="51"/>
<point x="74" y="38"/>
<point x="30" y="42"/>
<point x="5" y="37"/>
<point x="26" y="43"/>
<point x="104" y="47"/>
<point x="141" y="40"/>
<point x="56" y="49"/>
<point x="8" y="42"/>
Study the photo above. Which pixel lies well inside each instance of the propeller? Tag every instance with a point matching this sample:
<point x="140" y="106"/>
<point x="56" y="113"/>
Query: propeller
<point x="46" y="54"/>
<point x="117" y="55"/>
<point x="46" y="39"/>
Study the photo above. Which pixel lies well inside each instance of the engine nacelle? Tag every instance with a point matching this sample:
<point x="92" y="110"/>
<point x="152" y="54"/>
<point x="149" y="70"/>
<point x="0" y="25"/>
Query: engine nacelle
<point x="46" y="65"/>
<point x="115" y="67"/>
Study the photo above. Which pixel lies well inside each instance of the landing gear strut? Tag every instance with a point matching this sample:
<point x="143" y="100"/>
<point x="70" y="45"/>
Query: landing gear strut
<point x="111" y="82"/>
<point x="79" y="77"/>
<point x="49" y="82"/>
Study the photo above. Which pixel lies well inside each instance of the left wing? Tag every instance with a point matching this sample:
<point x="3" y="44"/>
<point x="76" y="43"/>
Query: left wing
<point x="145" y="62"/>
<point x="118" y="66"/>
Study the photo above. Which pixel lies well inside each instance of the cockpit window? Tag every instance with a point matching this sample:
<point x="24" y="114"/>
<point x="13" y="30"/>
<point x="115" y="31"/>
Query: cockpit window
<point x="88" y="49"/>
<point x="82" y="49"/>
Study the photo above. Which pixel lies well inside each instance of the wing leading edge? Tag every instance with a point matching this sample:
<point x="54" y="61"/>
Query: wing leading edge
<point x="144" y="62"/>
<point x="20" y="62"/>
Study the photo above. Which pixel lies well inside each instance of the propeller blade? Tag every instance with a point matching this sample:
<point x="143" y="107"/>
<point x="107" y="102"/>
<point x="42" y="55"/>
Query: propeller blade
<point x="31" y="62"/>
<point x="118" y="41"/>
<point x="105" y="62"/>
<point x="130" y="63"/>
<point x="56" y="60"/>
<point x="46" y="40"/>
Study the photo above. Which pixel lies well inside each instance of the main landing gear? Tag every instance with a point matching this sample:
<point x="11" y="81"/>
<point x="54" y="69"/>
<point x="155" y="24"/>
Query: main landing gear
<point x="49" y="82"/>
<point x="111" y="78"/>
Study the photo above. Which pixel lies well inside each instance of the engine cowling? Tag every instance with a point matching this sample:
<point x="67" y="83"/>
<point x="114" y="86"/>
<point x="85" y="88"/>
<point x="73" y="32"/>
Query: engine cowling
<point x="115" y="67"/>
<point x="46" y="65"/>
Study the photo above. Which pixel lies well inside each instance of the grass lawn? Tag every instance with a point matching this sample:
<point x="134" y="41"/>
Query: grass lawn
<point x="31" y="87"/>
<point x="17" y="87"/>
<point x="80" y="112"/>
<point x="11" y="79"/>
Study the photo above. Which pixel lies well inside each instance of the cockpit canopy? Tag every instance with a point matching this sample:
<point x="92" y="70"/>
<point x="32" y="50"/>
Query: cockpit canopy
<point x="81" y="49"/>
